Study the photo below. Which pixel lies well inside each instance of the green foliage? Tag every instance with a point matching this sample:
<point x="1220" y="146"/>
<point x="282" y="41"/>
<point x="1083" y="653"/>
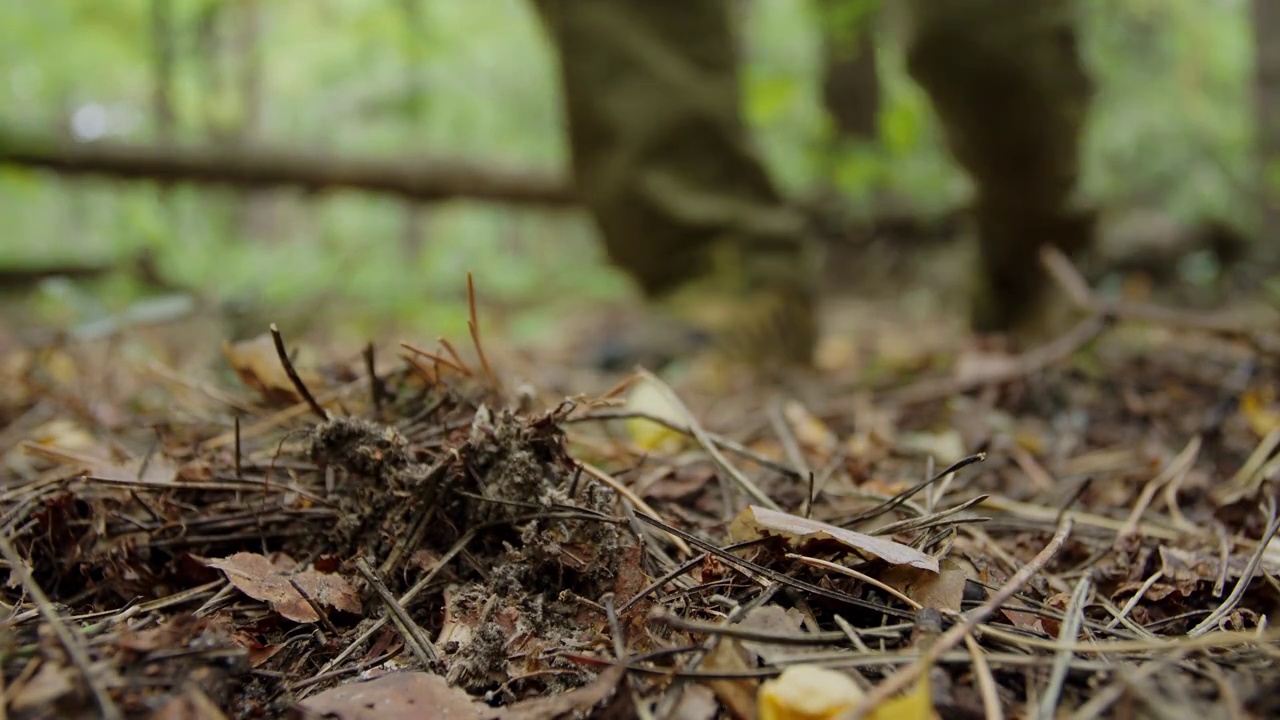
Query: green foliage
<point x="1171" y="124"/>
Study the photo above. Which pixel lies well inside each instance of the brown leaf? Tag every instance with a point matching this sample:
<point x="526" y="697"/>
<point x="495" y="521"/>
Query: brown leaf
<point x="95" y="463"/>
<point x="192" y="704"/>
<point x="943" y="590"/>
<point x="258" y="365"/>
<point x="176" y="632"/>
<point x="51" y="683"/>
<point x="776" y="620"/>
<point x="1024" y="620"/>
<point x="256" y="576"/>
<point x="258" y="653"/>
<point x="812" y="434"/>
<point x="754" y="522"/>
<point x="738" y="695"/>
<point x="576" y="703"/>
<point x="396" y="696"/>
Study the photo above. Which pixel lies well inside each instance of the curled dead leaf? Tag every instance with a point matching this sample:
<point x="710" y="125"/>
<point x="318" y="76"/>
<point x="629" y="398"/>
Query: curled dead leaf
<point x="755" y="522"/>
<point x="261" y="579"/>
<point x="943" y="590"/>
<point x="813" y="434"/>
<point x="396" y="696"/>
<point x="258" y="366"/>
<point x="738" y="695"/>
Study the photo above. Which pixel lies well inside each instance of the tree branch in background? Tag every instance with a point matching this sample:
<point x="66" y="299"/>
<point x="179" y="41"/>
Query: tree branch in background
<point x="425" y="180"/>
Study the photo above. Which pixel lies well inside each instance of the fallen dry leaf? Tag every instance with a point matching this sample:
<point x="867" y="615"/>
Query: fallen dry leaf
<point x="582" y="702"/>
<point x="755" y="522"/>
<point x="943" y="590"/>
<point x="776" y="620"/>
<point x="737" y="695"/>
<point x="812" y="434"/>
<point x="158" y="469"/>
<point x="258" y="577"/>
<point x="1024" y="620"/>
<point x="50" y="683"/>
<point x="396" y="696"/>
<point x="192" y="704"/>
<point x="647" y="398"/>
<point x="258" y="366"/>
<point x="177" y="631"/>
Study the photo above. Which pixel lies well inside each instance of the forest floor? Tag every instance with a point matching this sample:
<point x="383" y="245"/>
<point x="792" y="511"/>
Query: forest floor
<point x="1086" y="529"/>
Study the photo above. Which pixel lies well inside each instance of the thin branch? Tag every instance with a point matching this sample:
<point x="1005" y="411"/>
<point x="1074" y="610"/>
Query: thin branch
<point x="413" y="636"/>
<point x="289" y="370"/>
<point x="423" y="179"/>
<point x="473" y="323"/>
<point x="461" y="369"/>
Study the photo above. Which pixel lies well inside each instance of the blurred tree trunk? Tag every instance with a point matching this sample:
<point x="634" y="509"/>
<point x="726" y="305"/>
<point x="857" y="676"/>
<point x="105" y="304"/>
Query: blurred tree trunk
<point x="1266" y="89"/>
<point x="230" y="56"/>
<point x="850" y="77"/>
<point x="851" y="97"/>
<point x="162" y="68"/>
<point x="259" y="210"/>
<point x="414" y="222"/>
<point x="163" y="62"/>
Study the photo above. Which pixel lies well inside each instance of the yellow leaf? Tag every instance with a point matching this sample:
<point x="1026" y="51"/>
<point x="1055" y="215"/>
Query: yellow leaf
<point x="812" y="692"/>
<point x="808" y="692"/>
<point x="812" y="434"/>
<point x="1258" y="406"/>
<point x="914" y="704"/>
<point x="645" y="398"/>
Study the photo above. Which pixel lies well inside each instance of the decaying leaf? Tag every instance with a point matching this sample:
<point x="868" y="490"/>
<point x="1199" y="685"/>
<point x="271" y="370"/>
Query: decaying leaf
<point x="738" y="695"/>
<point x="192" y="704"/>
<point x="1024" y="620"/>
<point x="261" y="579"/>
<point x="95" y="463"/>
<point x="812" y="434"/>
<point x="396" y="696"/>
<point x="51" y="683"/>
<point x="1184" y="569"/>
<point x="943" y="590"/>
<point x="755" y="522"/>
<point x="776" y="620"/>
<point x="600" y="698"/>
<point x="258" y="366"/>
<point x="176" y="632"/>
<point x="413" y="695"/>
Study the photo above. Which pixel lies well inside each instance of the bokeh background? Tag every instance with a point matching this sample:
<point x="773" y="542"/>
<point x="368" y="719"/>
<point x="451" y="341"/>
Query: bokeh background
<point x="430" y="81"/>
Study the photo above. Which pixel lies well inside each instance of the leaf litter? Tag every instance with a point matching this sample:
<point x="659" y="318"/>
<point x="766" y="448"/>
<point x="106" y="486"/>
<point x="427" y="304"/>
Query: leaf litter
<point x="411" y="536"/>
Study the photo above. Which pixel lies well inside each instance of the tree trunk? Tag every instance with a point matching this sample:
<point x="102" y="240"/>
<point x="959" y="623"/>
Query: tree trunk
<point x="850" y="78"/>
<point x="414" y="221"/>
<point x="1266" y="108"/>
